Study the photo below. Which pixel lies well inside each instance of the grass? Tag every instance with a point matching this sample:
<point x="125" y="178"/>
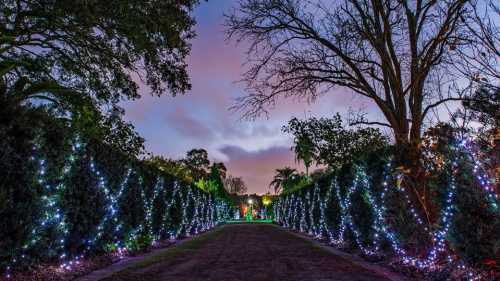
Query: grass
<point x="183" y="248"/>
<point x="252" y="221"/>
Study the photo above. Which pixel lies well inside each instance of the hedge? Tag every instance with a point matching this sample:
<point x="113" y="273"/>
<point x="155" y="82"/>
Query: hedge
<point x="363" y="206"/>
<point x="63" y="196"/>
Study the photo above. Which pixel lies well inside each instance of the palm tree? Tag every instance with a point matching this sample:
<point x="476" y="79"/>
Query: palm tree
<point x="304" y="150"/>
<point x="283" y="179"/>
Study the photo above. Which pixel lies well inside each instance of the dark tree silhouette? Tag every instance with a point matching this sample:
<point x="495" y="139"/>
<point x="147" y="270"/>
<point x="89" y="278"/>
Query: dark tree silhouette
<point x="197" y="162"/>
<point x="329" y="143"/>
<point x="284" y="179"/>
<point x="399" y="54"/>
<point x="235" y="185"/>
<point x="70" y="51"/>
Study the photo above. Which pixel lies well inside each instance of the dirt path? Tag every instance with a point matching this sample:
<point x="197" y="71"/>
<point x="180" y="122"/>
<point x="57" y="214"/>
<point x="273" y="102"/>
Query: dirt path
<point x="249" y="252"/>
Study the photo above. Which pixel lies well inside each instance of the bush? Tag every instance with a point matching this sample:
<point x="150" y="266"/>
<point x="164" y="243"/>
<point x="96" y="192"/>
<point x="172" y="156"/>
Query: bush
<point x="475" y="220"/>
<point x="63" y="195"/>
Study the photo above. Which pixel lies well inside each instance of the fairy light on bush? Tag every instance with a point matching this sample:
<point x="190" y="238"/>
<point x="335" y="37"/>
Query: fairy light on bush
<point x="206" y="212"/>
<point x="312" y="204"/>
<point x="52" y="216"/>
<point x="479" y="172"/>
<point x="148" y="204"/>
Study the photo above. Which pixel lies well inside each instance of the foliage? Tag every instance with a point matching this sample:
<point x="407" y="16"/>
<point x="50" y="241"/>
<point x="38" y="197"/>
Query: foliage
<point x="477" y="221"/>
<point x="470" y="232"/>
<point x="296" y="183"/>
<point x="329" y="143"/>
<point x="64" y="194"/>
<point x="20" y="191"/>
<point x="176" y="168"/>
<point x="484" y="104"/>
<point x="119" y="134"/>
<point x="82" y="58"/>
<point x="221" y="167"/>
<point x="285" y="179"/>
<point x="139" y="243"/>
<point x="63" y="51"/>
<point x="304" y="146"/>
<point x="197" y="162"/>
<point x="217" y="185"/>
<point x="474" y="235"/>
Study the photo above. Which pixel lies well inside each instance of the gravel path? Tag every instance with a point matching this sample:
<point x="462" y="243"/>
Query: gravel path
<point x="247" y="252"/>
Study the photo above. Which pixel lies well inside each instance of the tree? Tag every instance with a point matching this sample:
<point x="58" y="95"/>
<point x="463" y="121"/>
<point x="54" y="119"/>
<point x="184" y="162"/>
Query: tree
<point x="304" y="147"/>
<point x="484" y="40"/>
<point x="222" y="169"/>
<point x="485" y="106"/>
<point x="92" y="52"/>
<point x="216" y="184"/>
<point x="399" y="54"/>
<point x="484" y="113"/>
<point x="197" y="161"/>
<point x="174" y="167"/>
<point x="235" y="185"/>
<point x="283" y="179"/>
<point x="330" y="143"/>
<point x="110" y="129"/>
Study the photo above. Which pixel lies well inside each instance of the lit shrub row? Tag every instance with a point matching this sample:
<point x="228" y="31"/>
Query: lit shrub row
<point x="366" y="206"/>
<point x="62" y="197"/>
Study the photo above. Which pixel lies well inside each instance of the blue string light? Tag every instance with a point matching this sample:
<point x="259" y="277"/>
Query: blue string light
<point x="292" y="209"/>
<point x="207" y="212"/>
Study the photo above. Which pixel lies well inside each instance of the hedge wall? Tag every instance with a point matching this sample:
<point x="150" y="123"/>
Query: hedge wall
<point x="364" y="206"/>
<point x="63" y="197"/>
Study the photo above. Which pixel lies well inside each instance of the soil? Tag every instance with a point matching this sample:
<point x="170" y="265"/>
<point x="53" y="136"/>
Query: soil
<point x="245" y="252"/>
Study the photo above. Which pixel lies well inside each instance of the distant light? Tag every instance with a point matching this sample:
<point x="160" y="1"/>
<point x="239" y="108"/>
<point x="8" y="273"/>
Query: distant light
<point x="250" y="201"/>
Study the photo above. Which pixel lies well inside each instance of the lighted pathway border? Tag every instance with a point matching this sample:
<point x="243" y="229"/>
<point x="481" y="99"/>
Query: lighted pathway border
<point x="129" y="262"/>
<point x="381" y="270"/>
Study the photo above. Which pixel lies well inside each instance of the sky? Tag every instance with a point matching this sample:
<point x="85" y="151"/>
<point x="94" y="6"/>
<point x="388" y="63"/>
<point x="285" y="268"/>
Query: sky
<point x="201" y="117"/>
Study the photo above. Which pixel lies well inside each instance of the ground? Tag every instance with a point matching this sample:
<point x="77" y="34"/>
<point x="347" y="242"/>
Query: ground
<point x="246" y="252"/>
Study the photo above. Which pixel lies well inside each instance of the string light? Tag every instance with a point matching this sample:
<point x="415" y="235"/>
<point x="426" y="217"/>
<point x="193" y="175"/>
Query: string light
<point x="200" y="212"/>
<point x="290" y="212"/>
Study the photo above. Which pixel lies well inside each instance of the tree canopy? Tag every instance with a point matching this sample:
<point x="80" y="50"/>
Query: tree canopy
<point x="329" y="143"/>
<point x="67" y="52"/>
<point x="285" y="179"/>
<point x="402" y="55"/>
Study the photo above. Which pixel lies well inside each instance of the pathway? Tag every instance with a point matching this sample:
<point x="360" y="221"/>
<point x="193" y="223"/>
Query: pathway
<point x="246" y="252"/>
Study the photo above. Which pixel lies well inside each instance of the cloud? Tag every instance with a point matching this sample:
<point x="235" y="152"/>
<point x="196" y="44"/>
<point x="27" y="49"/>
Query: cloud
<point x="200" y="118"/>
<point x="187" y="126"/>
<point x="257" y="168"/>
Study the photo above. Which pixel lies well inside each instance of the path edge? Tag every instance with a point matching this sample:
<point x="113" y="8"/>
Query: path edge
<point x="381" y="270"/>
<point x="121" y="265"/>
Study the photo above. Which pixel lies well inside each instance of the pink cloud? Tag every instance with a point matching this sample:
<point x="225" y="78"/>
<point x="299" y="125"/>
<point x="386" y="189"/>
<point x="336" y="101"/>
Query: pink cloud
<point x="257" y="168"/>
<point x="252" y="149"/>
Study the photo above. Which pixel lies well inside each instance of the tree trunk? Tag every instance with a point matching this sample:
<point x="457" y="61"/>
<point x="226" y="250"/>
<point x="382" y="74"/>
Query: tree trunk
<point x="408" y="160"/>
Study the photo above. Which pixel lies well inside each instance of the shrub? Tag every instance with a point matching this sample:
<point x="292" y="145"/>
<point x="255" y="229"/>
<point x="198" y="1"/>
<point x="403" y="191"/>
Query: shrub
<point x="64" y="195"/>
<point x="473" y="229"/>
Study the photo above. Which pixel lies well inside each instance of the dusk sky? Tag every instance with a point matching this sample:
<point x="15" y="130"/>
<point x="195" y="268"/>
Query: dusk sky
<point x="201" y="119"/>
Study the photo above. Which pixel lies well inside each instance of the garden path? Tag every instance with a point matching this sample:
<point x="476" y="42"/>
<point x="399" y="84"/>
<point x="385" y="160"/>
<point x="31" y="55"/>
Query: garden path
<point x="247" y="252"/>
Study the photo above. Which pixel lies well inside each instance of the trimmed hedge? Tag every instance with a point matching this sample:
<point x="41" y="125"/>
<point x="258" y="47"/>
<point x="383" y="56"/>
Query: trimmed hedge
<point x="63" y="197"/>
<point x="363" y="207"/>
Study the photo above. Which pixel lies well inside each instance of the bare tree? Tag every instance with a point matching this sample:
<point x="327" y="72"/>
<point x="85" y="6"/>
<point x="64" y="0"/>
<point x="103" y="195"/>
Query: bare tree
<point x="400" y="54"/>
<point x="484" y="53"/>
<point x="235" y="185"/>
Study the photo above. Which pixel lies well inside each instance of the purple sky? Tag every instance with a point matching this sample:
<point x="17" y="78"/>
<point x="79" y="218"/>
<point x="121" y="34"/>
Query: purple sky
<point x="200" y="118"/>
